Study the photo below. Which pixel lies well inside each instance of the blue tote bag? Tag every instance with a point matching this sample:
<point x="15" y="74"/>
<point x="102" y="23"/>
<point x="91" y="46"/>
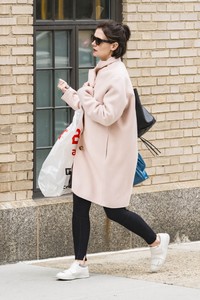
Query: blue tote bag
<point x="140" y="173"/>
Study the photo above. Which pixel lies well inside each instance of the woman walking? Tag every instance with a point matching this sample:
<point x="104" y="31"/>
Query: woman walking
<point x="107" y="152"/>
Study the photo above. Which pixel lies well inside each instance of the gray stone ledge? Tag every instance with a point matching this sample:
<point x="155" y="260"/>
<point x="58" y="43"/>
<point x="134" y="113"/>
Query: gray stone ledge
<point x="37" y="229"/>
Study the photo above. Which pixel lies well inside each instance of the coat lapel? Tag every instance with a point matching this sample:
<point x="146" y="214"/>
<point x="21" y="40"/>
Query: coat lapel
<point x="101" y="64"/>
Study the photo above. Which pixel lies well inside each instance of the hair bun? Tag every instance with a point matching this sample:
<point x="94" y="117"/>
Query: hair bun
<point x="126" y="31"/>
<point x="116" y="32"/>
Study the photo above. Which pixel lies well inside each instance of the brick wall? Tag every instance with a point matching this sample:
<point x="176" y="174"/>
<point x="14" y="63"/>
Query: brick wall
<point x="16" y="99"/>
<point x="163" y="59"/>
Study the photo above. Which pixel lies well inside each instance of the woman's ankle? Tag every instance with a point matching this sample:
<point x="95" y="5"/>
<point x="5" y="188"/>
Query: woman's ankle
<point x="156" y="243"/>
<point x="82" y="262"/>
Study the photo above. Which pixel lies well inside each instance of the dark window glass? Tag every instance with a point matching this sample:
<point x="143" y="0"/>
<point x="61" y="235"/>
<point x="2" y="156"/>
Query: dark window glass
<point x="102" y="9"/>
<point x="64" y="9"/>
<point x="44" y="97"/>
<point x="44" y="56"/>
<point x="62" y="49"/>
<point x="44" y="128"/>
<point x="85" y="9"/>
<point x="44" y="9"/>
<point x="69" y="10"/>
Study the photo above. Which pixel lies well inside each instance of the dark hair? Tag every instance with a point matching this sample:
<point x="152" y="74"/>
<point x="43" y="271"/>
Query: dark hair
<point x="116" y="32"/>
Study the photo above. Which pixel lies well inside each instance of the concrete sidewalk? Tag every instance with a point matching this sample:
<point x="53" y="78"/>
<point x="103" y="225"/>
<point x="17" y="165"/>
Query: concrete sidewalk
<point x="120" y="275"/>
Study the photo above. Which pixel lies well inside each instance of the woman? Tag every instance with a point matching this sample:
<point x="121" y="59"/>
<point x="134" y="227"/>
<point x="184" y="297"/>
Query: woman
<point x="106" y="157"/>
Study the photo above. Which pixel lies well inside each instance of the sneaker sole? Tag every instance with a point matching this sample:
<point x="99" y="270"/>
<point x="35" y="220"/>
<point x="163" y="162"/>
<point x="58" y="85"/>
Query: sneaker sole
<point x="69" y="279"/>
<point x="73" y="278"/>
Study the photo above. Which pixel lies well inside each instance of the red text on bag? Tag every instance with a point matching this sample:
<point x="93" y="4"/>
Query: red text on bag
<point x="76" y="137"/>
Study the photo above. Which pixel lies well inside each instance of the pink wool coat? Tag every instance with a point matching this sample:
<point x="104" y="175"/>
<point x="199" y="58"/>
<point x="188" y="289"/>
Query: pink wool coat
<point x="106" y="157"/>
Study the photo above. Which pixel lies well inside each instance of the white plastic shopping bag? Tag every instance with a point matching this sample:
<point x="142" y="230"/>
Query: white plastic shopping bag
<point x="55" y="173"/>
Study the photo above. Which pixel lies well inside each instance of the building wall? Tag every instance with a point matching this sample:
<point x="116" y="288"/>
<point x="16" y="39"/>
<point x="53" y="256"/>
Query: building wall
<point x="163" y="60"/>
<point x="16" y="100"/>
<point x="164" y="63"/>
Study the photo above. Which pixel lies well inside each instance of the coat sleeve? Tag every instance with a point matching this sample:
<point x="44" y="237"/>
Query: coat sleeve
<point x="114" y="102"/>
<point x="71" y="98"/>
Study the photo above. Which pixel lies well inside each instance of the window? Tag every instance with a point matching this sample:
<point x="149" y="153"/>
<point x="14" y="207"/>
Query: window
<point x="62" y="50"/>
<point x="75" y="10"/>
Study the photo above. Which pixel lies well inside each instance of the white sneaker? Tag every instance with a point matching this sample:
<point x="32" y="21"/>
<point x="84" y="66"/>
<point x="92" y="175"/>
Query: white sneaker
<point x="74" y="272"/>
<point x="159" y="253"/>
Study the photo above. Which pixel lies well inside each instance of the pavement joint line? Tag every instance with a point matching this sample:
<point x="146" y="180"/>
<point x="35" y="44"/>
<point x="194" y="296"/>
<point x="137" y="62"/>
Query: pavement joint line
<point x="142" y="249"/>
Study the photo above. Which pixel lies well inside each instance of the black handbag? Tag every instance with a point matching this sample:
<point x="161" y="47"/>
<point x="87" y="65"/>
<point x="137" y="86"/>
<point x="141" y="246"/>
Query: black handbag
<point x="145" y="121"/>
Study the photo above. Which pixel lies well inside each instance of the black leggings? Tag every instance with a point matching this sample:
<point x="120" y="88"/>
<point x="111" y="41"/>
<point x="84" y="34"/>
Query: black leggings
<point x="81" y="224"/>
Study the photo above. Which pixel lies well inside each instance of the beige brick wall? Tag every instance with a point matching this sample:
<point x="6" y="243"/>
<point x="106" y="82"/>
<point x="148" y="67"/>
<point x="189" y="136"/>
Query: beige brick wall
<point x="163" y="59"/>
<point x="16" y="99"/>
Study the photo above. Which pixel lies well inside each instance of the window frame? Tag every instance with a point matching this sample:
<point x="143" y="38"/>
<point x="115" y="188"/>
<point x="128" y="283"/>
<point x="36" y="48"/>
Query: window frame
<point x="74" y="26"/>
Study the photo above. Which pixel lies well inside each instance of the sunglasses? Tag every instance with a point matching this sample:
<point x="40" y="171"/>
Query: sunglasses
<point x="99" y="41"/>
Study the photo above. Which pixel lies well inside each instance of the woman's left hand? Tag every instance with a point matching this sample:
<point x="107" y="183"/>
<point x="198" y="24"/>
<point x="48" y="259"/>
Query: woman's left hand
<point x="86" y="89"/>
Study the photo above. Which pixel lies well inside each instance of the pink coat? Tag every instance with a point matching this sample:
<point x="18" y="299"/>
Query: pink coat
<point x="106" y="157"/>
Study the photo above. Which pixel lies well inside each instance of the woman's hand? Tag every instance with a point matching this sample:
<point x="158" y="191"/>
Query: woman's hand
<point x="86" y="89"/>
<point x="62" y="85"/>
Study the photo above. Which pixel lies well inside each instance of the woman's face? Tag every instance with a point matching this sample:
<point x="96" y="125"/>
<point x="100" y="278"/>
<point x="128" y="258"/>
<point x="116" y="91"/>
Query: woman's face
<point x="105" y="49"/>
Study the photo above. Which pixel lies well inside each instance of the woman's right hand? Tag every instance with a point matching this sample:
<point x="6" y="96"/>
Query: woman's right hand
<point x="62" y="85"/>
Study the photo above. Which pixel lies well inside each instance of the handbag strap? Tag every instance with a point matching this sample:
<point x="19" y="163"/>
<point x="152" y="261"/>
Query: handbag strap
<point x="152" y="148"/>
